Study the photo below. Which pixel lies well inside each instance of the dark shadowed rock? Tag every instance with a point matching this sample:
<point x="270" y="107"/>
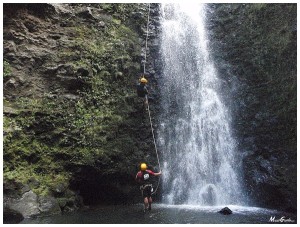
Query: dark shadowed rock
<point x="34" y="183"/>
<point x="42" y="10"/>
<point x="261" y="95"/>
<point x="225" y="211"/>
<point x="83" y="72"/>
<point x="11" y="216"/>
<point x="59" y="189"/>
<point x="86" y="13"/>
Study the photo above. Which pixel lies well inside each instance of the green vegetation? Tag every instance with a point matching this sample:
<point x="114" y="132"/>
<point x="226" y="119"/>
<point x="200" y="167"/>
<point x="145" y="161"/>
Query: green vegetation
<point x="6" y="69"/>
<point x="51" y="136"/>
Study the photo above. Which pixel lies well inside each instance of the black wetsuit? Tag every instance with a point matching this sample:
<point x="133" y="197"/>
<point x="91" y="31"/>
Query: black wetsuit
<point x="144" y="178"/>
<point x="142" y="90"/>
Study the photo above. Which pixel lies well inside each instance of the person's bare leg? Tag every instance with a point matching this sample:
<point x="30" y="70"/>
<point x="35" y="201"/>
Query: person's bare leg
<point x="145" y="203"/>
<point x="149" y="201"/>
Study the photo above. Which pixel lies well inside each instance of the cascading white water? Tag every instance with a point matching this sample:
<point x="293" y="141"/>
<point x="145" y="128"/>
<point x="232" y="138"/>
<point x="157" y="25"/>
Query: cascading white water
<point x="199" y="152"/>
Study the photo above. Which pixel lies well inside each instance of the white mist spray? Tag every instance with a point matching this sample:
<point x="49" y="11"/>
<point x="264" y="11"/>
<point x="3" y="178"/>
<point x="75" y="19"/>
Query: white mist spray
<point x="200" y="165"/>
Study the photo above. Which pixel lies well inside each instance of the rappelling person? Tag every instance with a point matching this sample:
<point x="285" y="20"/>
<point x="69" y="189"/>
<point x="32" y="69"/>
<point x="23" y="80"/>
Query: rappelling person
<point x="144" y="178"/>
<point x="142" y="89"/>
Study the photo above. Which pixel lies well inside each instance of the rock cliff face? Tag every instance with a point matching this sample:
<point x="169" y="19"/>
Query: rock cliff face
<point x="74" y="128"/>
<point x="75" y="131"/>
<point x="255" y="48"/>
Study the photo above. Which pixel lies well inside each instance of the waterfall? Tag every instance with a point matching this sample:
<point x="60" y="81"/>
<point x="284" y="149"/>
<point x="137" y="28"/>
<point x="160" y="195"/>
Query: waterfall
<point x="200" y="165"/>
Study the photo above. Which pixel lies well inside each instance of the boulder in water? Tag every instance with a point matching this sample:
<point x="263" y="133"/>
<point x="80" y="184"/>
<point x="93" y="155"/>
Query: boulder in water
<point x="49" y="205"/>
<point x="225" y="211"/>
<point x="27" y="205"/>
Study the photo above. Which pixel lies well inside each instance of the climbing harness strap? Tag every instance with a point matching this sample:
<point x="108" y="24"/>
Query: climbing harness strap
<point x="148" y="108"/>
<point x="145" y="186"/>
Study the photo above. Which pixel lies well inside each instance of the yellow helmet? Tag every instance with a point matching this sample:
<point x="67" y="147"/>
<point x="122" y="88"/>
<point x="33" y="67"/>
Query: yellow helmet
<point x="143" y="166"/>
<point x="143" y="80"/>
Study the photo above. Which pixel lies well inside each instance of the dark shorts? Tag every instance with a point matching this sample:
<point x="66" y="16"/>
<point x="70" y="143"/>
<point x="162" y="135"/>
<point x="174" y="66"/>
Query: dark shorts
<point x="147" y="192"/>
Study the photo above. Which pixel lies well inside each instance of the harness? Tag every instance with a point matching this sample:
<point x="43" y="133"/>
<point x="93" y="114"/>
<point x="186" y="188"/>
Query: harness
<point x="142" y="187"/>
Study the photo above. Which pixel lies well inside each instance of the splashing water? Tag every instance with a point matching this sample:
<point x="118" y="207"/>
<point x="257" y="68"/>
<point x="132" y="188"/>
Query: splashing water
<point x="200" y="164"/>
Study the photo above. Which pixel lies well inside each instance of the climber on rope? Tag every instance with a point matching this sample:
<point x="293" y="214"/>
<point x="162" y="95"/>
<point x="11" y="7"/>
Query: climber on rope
<point x="142" y="90"/>
<point x="143" y="177"/>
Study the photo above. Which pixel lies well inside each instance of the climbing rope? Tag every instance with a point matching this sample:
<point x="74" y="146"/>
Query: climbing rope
<point x="148" y="108"/>
<point x="147" y="32"/>
<point x="154" y="141"/>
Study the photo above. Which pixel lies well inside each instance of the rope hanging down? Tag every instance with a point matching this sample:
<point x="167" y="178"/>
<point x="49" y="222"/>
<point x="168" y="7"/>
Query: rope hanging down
<point x="148" y="108"/>
<point x="154" y="141"/>
<point x="147" y="32"/>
